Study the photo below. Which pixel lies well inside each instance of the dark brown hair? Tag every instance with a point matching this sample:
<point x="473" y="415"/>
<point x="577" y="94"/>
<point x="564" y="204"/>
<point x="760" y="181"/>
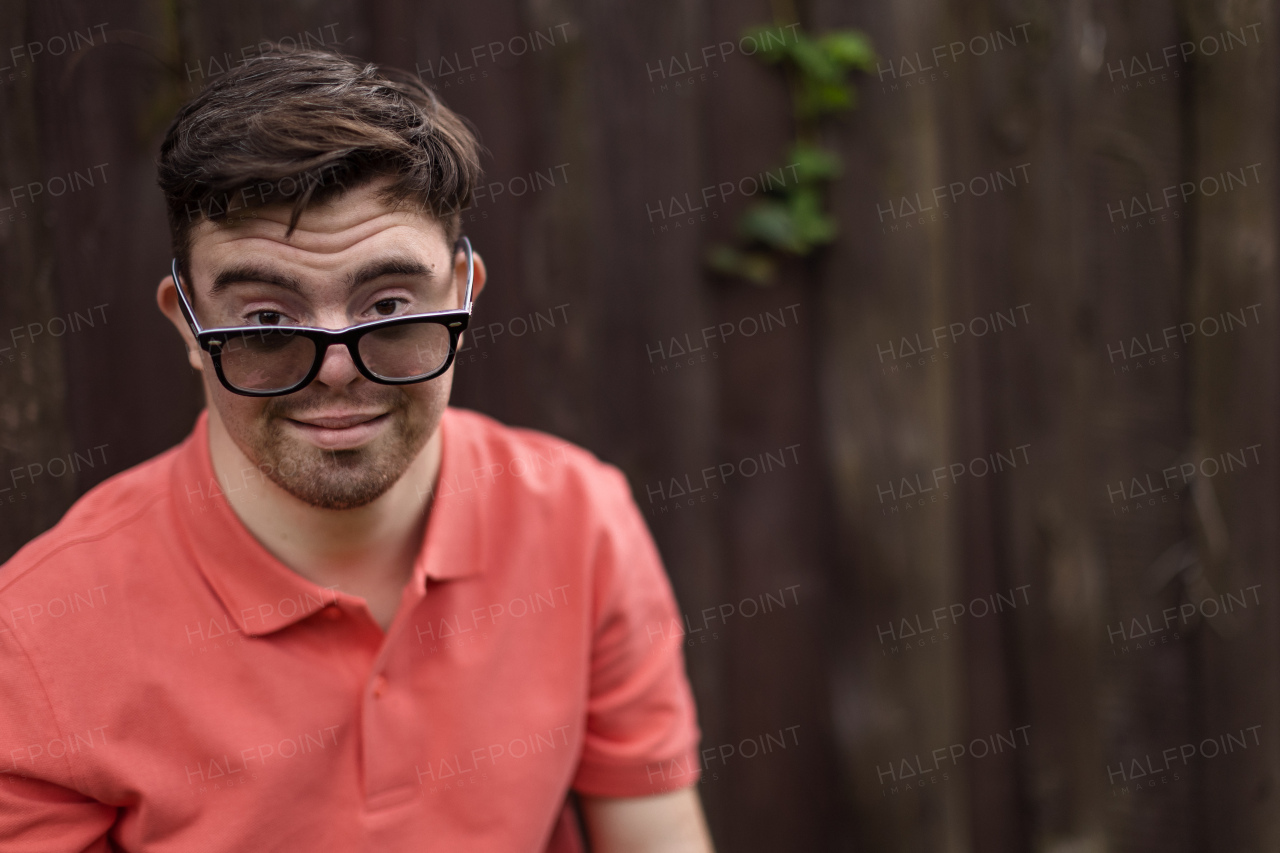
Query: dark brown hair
<point x="304" y="126"/>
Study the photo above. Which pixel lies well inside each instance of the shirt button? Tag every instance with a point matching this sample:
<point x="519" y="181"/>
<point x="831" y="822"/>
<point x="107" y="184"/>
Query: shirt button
<point x="333" y="612"/>
<point x="379" y="686"/>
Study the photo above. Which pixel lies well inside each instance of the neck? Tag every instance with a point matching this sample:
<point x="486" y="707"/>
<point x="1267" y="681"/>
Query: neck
<point x="355" y="550"/>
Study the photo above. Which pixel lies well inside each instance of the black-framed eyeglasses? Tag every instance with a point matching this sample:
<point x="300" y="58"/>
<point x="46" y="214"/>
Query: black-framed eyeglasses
<point x="268" y="361"/>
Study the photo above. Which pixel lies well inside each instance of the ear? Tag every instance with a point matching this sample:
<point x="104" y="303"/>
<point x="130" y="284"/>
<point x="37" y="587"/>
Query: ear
<point x="167" y="299"/>
<point x="478" y="275"/>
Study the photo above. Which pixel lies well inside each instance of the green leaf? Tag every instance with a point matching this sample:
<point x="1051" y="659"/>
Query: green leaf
<point x="813" y="61"/>
<point x="817" y="97"/>
<point x="813" y="227"/>
<point x="814" y="164"/>
<point x="755" y="267"/>
<point x="849" y="48"/>
<point x="722" y="258"/>
<point x="770" y="221"/>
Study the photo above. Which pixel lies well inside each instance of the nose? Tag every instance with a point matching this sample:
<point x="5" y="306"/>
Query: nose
<point x="338" y="369"/>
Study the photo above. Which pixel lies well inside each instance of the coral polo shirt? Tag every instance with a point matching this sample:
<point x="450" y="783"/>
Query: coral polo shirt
<point x="166" y="684"/>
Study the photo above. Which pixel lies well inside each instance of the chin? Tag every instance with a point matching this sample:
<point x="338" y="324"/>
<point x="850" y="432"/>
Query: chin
<point x="345" y="478"/>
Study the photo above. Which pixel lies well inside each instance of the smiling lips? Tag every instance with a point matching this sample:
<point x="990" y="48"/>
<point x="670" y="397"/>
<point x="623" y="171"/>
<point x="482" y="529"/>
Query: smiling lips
<point x="340" y="432"/>
<point x="338" y="421"/>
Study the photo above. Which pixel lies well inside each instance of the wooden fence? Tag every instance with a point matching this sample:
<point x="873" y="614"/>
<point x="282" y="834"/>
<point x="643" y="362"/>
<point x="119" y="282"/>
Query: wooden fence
<point x="991" y="531"/>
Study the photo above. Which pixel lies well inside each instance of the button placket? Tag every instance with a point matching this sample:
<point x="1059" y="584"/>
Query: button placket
<point x="391" y="728"/>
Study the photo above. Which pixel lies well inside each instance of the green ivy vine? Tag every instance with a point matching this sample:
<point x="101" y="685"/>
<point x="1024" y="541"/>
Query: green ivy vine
<point x="792" y="219"/>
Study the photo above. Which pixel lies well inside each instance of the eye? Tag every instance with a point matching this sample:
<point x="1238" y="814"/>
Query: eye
<point x="387" y="307"/>
<point x="267" y="318"/>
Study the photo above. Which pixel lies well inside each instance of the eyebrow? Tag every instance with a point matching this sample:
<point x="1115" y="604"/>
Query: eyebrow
<point x="255" y="274"/>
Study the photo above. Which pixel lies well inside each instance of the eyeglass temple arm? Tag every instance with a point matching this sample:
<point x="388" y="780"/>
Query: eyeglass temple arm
<point x="190" y="314"/>
<point x="187" y="311"/>
<point x="466" y="245"/>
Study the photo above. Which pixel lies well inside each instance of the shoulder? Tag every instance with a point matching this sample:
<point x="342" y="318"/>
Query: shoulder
<point x="532" y="463"/>
<point x="123" y="506"/>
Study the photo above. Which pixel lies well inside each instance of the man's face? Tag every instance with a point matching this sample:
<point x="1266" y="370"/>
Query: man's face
<point x="343" y="440"/>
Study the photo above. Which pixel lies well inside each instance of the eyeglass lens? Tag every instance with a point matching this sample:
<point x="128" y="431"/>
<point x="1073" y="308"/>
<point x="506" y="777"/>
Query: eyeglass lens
<point x="405" y="351"/>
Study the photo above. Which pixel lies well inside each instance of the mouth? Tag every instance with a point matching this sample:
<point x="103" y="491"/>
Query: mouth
<point x="340" y="431"/>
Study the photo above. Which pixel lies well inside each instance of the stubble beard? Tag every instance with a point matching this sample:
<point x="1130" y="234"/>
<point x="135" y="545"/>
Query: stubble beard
<point x="341" y="479"/>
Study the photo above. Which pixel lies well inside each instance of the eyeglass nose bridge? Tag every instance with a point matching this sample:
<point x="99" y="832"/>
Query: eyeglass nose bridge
<point x="350" y="344"/>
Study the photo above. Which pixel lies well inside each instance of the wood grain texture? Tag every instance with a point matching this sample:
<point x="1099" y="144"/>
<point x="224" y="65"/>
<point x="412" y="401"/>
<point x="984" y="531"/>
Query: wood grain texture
<point x="1076" y="118"/>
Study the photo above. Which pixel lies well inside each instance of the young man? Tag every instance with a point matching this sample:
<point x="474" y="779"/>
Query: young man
<point x="339" y="616"/>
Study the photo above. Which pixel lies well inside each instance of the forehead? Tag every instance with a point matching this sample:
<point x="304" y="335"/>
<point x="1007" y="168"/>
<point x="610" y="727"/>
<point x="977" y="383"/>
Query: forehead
<point x="346" y="230"/>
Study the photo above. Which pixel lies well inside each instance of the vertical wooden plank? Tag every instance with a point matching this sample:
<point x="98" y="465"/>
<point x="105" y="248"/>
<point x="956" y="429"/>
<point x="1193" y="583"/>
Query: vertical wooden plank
<point x="129" y="391"/>
<point x="887" y="417"/>
<point x="990" y="127"/>
<point x="640" y="287"/>
<point x="32" y="383"/>
<point x="1233" y="403"/>
<point x="1132" y="281"/>
<point x="773" y="511"/>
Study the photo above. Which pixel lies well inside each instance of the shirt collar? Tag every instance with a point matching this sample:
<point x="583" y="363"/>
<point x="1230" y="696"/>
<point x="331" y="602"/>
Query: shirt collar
<point x="261" y="594"/>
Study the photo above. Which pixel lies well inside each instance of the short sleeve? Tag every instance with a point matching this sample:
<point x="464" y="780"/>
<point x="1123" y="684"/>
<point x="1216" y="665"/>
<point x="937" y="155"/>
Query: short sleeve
<point x="641" y="729"/>
<point x="39" y="814"/>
